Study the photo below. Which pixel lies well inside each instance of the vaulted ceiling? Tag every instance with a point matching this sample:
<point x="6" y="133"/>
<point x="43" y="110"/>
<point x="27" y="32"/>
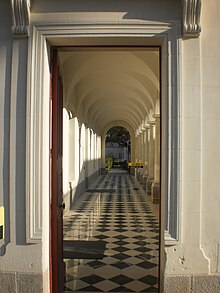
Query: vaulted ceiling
<point x="103" y="85"/>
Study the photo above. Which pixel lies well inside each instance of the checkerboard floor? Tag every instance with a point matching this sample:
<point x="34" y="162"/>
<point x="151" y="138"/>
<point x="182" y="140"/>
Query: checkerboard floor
<point x="117" y="211"/>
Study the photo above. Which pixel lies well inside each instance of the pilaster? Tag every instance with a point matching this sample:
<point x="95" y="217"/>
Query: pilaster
<point x="146" y="157"/>
<point x="151" y="156"/>
<point x="155" y="188"/>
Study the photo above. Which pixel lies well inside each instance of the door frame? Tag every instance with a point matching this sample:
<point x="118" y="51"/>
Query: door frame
<point x="166" y="35"/>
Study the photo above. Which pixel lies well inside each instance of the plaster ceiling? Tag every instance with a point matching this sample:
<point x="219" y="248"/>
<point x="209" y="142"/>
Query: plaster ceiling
<point x="103" y="85"/>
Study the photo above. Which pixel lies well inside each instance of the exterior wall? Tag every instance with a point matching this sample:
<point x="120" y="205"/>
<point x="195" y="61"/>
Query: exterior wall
<point x="210" y="76"/>
<point x="190" y="265"/>
<point x="193" y="265"/>
<point x="20" y="262"/>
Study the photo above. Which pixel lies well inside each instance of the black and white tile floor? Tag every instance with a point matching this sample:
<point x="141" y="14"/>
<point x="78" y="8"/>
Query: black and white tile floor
<point x="117" y="211"/>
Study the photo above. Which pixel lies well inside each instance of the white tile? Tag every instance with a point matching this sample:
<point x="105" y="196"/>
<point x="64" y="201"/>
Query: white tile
<point x="111" y="252"/>
<point x="137" y="286"/>
<point x="131" y="246"/>
<point x="84" y="270"/>
<point x="107" y="271"/>
<point x="108" y="260"/>
<point x="106" y="285"/>
<point x="129" y="234"/>
<point x="134" y="272"/>
<point x="133" y="260"/>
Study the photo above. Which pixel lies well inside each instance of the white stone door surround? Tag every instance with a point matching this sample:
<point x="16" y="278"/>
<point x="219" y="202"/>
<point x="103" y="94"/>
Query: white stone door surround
<point x="42" y="37"/>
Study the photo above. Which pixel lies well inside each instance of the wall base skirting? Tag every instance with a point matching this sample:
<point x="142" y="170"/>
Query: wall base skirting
<point x="90" y="180"/>
<point x="21" y="282"/>
<point x="155" y="192"/>
<point x="191" y="283"/>
<point x="149" y="185"/>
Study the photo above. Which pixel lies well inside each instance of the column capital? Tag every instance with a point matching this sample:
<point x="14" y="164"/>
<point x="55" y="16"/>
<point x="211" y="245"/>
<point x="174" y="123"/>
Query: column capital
<point x="156" y="116"/>
<point x="191" y="18"/>
<point x="151" y="123"/>
<point x="20" y="17"/>
<point x="146" y="127"/>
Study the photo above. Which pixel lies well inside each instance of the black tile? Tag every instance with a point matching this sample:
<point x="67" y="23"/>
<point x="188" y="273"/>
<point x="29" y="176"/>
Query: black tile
<point x="67" y="289"/>
<point x="89" y="288"/>
<point x="120" y="256"/>
<point x="120" y="249"/>
<point x="143" y="249"/>
<point x="68" y="278"/>
<point x="145" y="256"/>
<point x="103" y="229"/>
<point x="120" y="243"/>
<point x="140" y="237"/>
<point x="121" y="289"/>
<point x="120" y="237"/>
<point x="121" y="279"/>
<point x="150" y="280"/>
<point x="92" y="279"/>
<point x="95" y="264"/>
<point x="120" y="230"/>
<point x="147" y="265"/>
<point x="100" y="236"/>
<point x="120" y="265"/>
<point x="150" y="290"/>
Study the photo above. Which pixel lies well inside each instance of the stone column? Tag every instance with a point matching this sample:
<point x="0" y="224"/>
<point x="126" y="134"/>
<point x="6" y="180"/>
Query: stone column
<point x="150" y="178"/>
<point x="142" y="155"/>
<point x="146" y="156"/>
<point x="139" y="154"/>
<point x="103" y="163"/>
<point x="155" y="189"/>
<point x="136" y="147"/>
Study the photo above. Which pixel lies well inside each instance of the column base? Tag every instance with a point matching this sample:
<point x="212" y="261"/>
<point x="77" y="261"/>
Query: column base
<point x="149" y="184"/>
<point x="155" y="192"/>
<point x="144" y="183"/>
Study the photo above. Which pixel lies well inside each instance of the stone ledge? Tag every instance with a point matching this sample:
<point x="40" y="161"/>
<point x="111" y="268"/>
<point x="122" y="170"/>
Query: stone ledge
<point x="206" y="284"/>
<point x="192" y="284"/>
<point x="8" y="282"/>
<point x="12" y="282"/>
<point x="177" y="284"/>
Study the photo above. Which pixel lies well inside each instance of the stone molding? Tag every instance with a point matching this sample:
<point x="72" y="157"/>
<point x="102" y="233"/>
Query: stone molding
<point x="191" y="18"/>
<point x="20" y="17"/>
<point x="37" y="187"/>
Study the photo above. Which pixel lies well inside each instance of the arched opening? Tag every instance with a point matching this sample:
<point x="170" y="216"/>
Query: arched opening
<point x="117" y="148"/>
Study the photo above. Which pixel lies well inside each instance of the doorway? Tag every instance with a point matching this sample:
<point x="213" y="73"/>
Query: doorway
<point x="104" y="108"/>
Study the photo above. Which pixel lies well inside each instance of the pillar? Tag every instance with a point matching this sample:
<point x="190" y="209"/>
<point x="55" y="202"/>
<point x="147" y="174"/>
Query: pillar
<point x="146" y="156"/>
<point x="155" y="189"/>
<point x="150" y="178"/>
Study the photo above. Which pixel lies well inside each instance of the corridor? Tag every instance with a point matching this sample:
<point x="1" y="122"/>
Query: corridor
<point x="115" y="210"/>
